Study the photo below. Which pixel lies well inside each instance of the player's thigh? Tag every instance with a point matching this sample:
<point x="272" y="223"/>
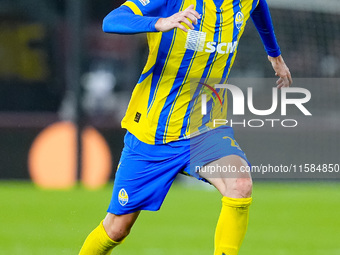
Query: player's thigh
<point x="229" y="176"/>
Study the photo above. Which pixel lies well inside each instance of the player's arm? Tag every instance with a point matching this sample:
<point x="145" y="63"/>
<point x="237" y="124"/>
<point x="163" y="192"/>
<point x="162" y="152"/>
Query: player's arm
<point x="264" y="25"/>
<point x="124" y="21"/>
<point x="132" y="18"/>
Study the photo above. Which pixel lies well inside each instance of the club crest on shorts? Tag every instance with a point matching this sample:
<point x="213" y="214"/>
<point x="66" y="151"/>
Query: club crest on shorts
<point x="123" y="197"/>
<point x="239" y="19"/>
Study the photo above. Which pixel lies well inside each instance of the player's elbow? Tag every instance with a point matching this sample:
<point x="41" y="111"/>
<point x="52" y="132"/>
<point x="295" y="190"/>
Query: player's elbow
<point x="112" y="22"/>
<point x="113" y="25"/>
<point x="105" y="25"/>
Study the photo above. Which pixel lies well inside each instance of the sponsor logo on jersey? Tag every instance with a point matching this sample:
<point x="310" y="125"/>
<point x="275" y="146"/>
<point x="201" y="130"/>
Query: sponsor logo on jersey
<point x="221" y="48"/>
<point x="123" y="197"/>
<point x="239" y="20"/>
<point x="144" y="2"/>
<point x="196" y="40"/>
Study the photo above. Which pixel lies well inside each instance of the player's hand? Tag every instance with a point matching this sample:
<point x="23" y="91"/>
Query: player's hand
<point x="282" y="71"/>
<point x="188" y="16"/>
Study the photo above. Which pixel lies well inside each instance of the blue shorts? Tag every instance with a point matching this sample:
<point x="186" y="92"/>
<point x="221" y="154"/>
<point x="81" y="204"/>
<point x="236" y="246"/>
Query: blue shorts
<point x="146" y="172"/>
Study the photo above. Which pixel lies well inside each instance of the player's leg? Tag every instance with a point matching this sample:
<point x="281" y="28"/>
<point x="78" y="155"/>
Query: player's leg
<point x="141" y="183"/>
<point x="118" y="227"/>
<point x="236" y="191"/>
<point x="230" y="184"/>
<point x="110" y="233"/>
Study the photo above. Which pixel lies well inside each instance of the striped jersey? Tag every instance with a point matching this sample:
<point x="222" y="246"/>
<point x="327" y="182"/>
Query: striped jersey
<point x="166" y="104"/>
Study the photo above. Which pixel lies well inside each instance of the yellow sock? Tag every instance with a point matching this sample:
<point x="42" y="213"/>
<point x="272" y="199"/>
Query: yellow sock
<point x="232" y="225"/>
<point x="98" y="242"/>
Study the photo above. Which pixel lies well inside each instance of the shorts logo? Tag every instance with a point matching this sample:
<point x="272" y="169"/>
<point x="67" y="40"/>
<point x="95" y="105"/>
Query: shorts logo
<point x="239" y="19"/>
<point x="123" y="197"/>
<point x="144" y="2"/>
<point x="233" y="143"/>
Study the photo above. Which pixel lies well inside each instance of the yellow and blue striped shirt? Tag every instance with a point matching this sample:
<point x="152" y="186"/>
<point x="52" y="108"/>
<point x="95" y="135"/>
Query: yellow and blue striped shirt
<point x="165" y="105"/>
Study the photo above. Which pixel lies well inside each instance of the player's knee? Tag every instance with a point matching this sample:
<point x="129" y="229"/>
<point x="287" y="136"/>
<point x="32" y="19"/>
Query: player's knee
<point x="241" y="187"/>
<point x="244" y="186"/>
<point x="117" y="234"/>
<point x="117" y="227"/>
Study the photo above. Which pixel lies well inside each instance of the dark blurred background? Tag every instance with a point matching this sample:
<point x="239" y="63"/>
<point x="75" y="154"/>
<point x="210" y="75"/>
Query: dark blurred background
<point x="34" y="92"/>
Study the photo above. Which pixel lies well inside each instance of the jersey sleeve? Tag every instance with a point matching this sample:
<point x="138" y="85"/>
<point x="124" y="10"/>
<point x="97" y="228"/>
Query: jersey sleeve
<point x="135" y="16"/>
<point x="264" y="25"/>
<point x="151" y="8"/>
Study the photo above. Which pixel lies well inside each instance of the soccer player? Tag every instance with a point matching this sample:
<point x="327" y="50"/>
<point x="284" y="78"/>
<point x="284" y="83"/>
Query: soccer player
<point x="192" y="46"/>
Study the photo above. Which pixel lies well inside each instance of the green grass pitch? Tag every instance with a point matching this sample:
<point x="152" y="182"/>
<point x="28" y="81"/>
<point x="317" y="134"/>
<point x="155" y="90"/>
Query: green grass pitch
<point x="286" y="219"/>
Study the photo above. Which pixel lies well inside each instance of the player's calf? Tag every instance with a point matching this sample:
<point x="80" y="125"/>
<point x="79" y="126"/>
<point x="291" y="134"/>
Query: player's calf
<point x="236" y="187"/>
<point x="111" y="232"/>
